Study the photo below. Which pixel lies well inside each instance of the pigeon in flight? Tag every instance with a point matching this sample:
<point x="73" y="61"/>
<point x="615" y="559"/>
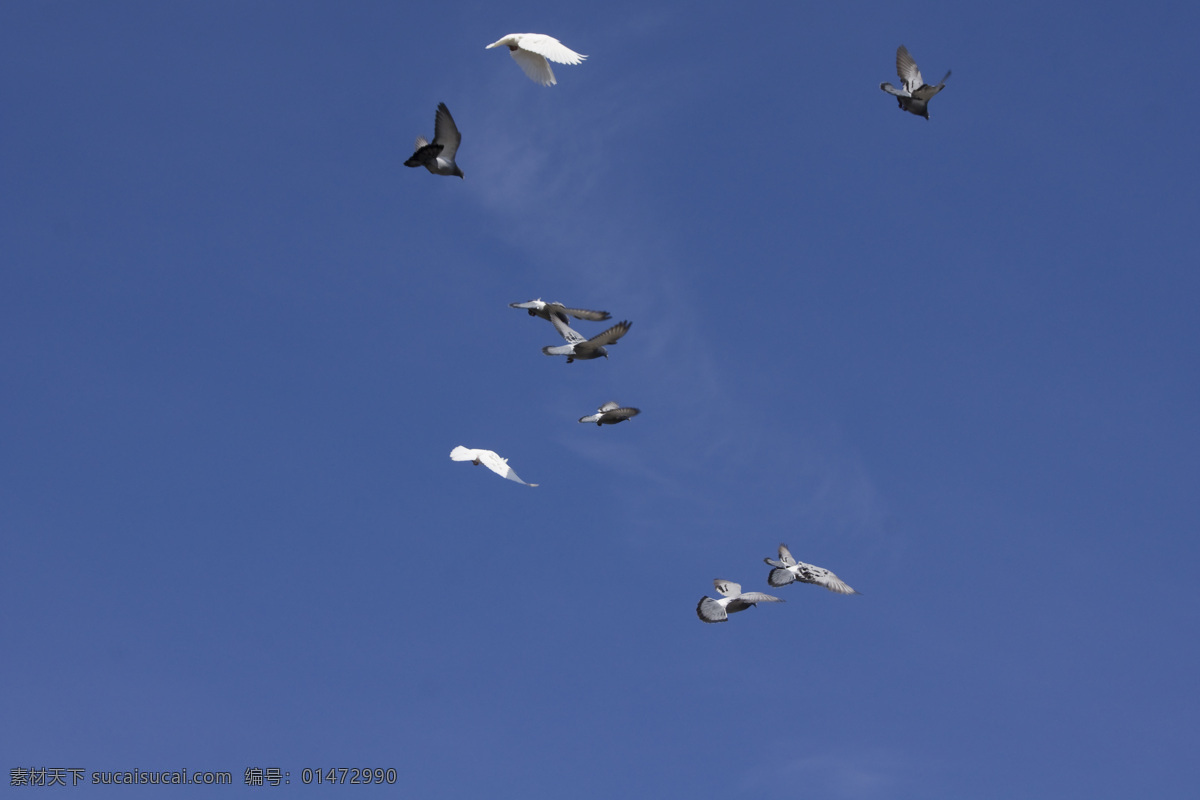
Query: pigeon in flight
<point x="914" y="97"/>
<point x="611" y="413"/>
<point x="438" y="157"/>
<point x="710" y="610"/>
<point x="490" y="460"/>
<point x="530" y="51"/>
<point x="788" y="570"/>
<point x="581" y="348"/>
<point x="538" y="308"/>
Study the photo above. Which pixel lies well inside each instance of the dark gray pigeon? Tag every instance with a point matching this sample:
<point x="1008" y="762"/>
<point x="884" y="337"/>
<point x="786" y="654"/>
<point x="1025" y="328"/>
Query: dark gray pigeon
<point x="611" y="413"/>
<point x="438" y="156"/>
<point x="538" y="308"/>
<point x="581" y="348"/>
<point x="914" y="97"/>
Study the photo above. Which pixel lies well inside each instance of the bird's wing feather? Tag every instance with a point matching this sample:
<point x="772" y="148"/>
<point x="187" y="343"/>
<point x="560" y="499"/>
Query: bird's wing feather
<point x="623" y="413"/>
<point x="785" y="556"/>
<point x="591" y="418"/>
<point x="611" y="405"/>
<point x="759" y="597"/>
<point x="572" y="337"/>
<point x="727" y="588"/>
<point x="461" y="453"/>
<point x="591" y="316"/>
<point x="500" y="466"/>
<point x="445" y="132"/>
<point x="537" y="305"/>
<point x="832" y="582"/>
<point x="906" y="68"/>
<point x="710" y="610"/>
<point x="887" y="87"/>
<point x="551" y="48"/>
<point x="534" y="66"/>
<point x="608" y="337"/>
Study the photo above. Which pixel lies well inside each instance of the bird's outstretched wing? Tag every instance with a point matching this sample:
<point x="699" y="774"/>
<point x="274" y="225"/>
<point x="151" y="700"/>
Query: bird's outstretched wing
<point x="622" y="414"/>
<point x="534" y="65"/>
<point x="710" y="610"/>
<point x="572" y="336"/>
<point x="907" y="69"/>
<point x="461" y="453"/>
<point x="583" y="313"/>
<point x="750" y="598"/>
<point x="823" y="577"/>
<point x="445" y="132"/>
<point x="785" y="556"/>
<point x="500" y="466"/>
<point x="727" y="588"/>
<point x="549" y="47"/>
<point x="600" y="340"/>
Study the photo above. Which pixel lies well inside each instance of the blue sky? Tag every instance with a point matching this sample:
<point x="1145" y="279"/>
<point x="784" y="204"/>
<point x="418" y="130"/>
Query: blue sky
<point x="953" y="360"/>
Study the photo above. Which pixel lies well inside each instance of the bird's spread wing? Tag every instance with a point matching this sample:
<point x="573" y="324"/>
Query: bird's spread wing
<point x="823" y="577"/>
<point x="583" y="313"/>
<point x="611" y="405"/>
<point x="572" y="337"/>
<point x="622" y="413"/>
<point x="608" y="337"/>
<point x="499" y="466"/>
<point x="550" y="48"/>
<point x="534" y="66"/>
<point x="710" y="610"/>
<point x="785" y="556"/>
<point x="906" y="68"/>
<point x="887" y="87"/>
<point x="749" y="598"/>
<point x="445" y="132"/>
<point x="461" y="453"/>
<point x="727" y="588"/>
<point x="780" y="576"/>
<point x="926" y="92"/>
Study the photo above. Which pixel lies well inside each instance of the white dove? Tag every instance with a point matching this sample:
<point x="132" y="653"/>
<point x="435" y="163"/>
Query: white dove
<point x="538" y="308"/>
<point x="530" y="51"/>
<point x="914" y="97"/>
<point x="438" y="157"/>
<point x="581" y="348"/>
<point x="610" y="414"/>
<point x="710" y="610"/>
<point x="490" y="460"/>
<point x="788" y="570"/>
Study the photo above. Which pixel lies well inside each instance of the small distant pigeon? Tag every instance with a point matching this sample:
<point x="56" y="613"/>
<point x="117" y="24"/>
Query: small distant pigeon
<point x="537" y="308"/>
<point x="490" y="460"/>
<point x="581" y="348"/>
<point x="530" y="51"/>
<point x="438" y="157"/>
<point x="914" y="97"/>
<point x="788" y="570"/>
<point x="710" y="610"/>
<point x="610" y="414"/>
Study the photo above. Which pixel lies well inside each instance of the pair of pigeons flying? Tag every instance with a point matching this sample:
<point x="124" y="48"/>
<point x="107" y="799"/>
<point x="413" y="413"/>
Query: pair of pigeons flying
<point x="786" y="570"/>
<point x="577" y="346"/>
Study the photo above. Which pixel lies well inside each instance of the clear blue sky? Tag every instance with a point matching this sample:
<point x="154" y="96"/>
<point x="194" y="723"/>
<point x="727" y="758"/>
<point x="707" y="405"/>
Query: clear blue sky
<point x="955" y="361"/>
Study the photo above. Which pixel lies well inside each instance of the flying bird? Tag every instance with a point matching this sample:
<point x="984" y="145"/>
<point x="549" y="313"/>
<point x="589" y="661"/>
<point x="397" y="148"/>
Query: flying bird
<point x="530" y="51"/>
<point x="914" y="97"/>
<point x="788" y="570"/>
<point x="581" y="348"/>
<point x="610" y="414"/>
<point x="538" y="308"/>
<point x="710" y="610"/>
<point x="438" y="157"/>
<point x="490" y="460"/>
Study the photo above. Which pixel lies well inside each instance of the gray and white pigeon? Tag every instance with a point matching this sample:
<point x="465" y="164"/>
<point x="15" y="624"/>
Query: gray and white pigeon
<point x="789" y="570"/>
<point x="710" y="610"/>
<point x="914" y="97"/>
<point x="581" y="348"/>
<point x="530" y="51"/>
<point x="610" y="414"/>
<point x="490" y="460"/>
<point x="438" y="156"/>
<point x="538" y="308"/>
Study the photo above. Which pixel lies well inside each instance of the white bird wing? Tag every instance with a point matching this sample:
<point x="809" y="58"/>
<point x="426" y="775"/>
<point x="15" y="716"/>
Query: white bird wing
<point x="608" y="337"/>
<point x="445" y="132"/>
<point x="499" y="466"/>
<point x="710" y="610"/>
<point x="887" y="87"/>
<point x="785" y="556"/>
<point x="572" y="336"/>
<point x="590" y="418"/>
<point x="907" y="69"/>
<point x="832" y="582"/>
<point x="549" y="47"/>
<point x="750" y="598"/>
<point x="461" y="453"/>
<point x="534" y="66"/>
<point x="727" y="588"/>
<point x="531" y="305"/>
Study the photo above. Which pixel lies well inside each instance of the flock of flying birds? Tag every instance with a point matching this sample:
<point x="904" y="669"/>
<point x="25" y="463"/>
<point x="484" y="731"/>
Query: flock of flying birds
<point x="533" y="52"/>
